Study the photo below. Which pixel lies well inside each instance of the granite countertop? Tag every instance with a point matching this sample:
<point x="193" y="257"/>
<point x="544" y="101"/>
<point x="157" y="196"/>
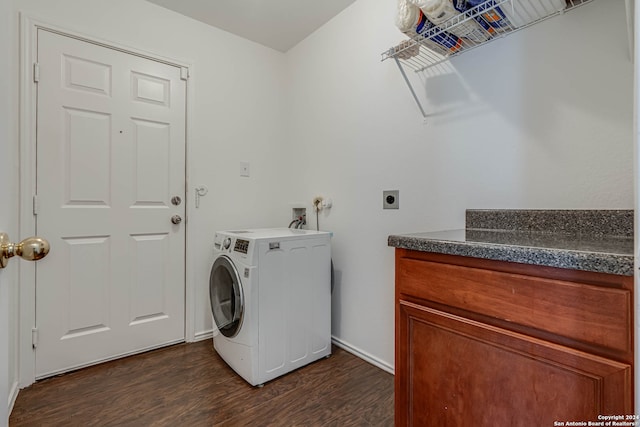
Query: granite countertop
<point x="598" y="241"/>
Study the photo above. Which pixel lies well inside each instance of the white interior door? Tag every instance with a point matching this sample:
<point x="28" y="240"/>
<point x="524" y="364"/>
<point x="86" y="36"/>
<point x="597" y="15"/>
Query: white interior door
<point x="5" y="214"/>
<point x="8" y="206"/>
<point x="110" y="158"/>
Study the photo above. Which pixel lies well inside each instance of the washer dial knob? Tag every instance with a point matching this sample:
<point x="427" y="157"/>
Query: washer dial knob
<point x="226" y="243"/>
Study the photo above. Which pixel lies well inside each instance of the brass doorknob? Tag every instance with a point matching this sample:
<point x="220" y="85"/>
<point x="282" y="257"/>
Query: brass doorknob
<point x="30" y="249"/>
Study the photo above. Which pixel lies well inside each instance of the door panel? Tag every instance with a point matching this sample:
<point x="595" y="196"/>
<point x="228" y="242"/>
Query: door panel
<point x="85" y="75"/>
<point x="152" y="150"/>
<point x="87" y="142"/>
<point x="110" y="155"/>
<point x="149" y="282"/>
<point x="87" y="285"/>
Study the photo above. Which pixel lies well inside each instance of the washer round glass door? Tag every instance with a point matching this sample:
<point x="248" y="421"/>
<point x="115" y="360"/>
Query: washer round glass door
<point x="225" y="294"/>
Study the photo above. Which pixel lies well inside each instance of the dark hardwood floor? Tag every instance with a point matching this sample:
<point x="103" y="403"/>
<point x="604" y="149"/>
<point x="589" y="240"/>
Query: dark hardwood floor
<point x="189" y="385"/>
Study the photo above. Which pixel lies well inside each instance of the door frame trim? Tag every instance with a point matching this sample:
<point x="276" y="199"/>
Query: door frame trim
<point x="29" y="26"/>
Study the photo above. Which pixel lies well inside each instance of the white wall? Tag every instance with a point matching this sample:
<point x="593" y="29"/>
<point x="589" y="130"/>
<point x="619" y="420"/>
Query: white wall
<point x="542" y="119"/>
<point x="236" y="115"/>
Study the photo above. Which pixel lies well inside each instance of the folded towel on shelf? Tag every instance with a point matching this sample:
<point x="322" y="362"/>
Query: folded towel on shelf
<point x="412" y="21"/>
<point x="407" y="16"/>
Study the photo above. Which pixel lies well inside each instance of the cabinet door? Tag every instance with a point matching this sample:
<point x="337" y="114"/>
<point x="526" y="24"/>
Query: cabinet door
<point x="452" y="371"/>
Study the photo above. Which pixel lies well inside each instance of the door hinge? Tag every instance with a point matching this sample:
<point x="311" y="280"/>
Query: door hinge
<point x="184" y="73"/>
<point x="34" y="337"/>
<point x="36" y="72"/>
<point x="36" y="205"/>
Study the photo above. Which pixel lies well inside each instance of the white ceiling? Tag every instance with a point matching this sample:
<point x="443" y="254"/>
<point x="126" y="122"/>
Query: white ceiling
<point x="279" y="24"/>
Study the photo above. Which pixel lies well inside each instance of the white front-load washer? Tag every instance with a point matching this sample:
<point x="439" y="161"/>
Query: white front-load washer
<point x="270" y="293"/>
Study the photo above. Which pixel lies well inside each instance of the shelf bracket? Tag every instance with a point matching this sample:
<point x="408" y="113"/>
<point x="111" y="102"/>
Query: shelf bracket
<point x="413" y="92"/>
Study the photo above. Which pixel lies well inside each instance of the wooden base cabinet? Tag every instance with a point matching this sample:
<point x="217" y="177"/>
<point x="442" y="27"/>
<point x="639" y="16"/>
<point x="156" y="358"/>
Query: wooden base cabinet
<point x="475" y="344"/>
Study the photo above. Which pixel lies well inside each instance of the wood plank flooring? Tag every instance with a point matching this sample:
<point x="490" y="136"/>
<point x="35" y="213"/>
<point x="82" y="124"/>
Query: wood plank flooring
<point x="190" y="385"/>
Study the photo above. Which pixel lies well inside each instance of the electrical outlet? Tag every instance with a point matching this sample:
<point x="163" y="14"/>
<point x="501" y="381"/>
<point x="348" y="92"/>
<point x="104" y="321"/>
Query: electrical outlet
<point x="391" y="199"/>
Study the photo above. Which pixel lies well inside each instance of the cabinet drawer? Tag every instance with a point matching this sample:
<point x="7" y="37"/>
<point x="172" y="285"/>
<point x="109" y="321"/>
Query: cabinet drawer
<point x="588" y="313"/>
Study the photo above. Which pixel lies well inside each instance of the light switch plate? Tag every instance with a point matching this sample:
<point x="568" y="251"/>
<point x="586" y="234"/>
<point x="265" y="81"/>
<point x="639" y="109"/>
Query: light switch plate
<point x="391" y="199"/>
<point x="244" y="169"/>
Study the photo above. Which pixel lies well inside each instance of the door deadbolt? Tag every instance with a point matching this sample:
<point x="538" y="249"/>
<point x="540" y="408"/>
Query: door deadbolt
<point x="30" y="249"/>
<point x="176" y="219"/>
<point x="176" y="200"/>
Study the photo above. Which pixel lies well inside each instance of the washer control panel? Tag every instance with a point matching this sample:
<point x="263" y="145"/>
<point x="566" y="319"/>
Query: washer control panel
<point x="228" y="243"/>
<point x="241" y="246"/>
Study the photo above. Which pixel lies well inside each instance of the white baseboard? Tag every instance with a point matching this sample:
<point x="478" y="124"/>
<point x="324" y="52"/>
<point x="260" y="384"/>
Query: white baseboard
<point x="13" y="395"/>
<point x="203" y="335"/>
<point x="363" y="355"/>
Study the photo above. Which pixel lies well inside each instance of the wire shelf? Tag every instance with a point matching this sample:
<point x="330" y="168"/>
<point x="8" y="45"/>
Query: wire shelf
<point x="420" y="52"/>
<point x="527" y="12"/>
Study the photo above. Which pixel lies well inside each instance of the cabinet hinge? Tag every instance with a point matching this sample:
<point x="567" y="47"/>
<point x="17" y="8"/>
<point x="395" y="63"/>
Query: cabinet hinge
<point x="36" y="72"/>
<point x="34" y="337"/>
<point x="36" y="205"/>
<point x="184" y="73"/>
